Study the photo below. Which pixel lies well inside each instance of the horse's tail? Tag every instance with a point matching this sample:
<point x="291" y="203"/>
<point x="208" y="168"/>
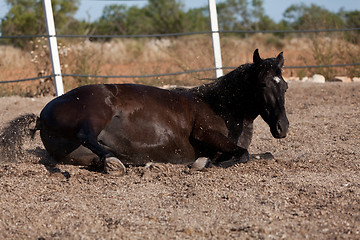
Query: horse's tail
<point x="37" y="127"/>
<point x="13" y="136"/>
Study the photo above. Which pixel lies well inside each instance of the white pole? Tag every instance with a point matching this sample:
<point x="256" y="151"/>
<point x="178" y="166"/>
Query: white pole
<point x="54" y="54"/>
<point x="215" y="38"/>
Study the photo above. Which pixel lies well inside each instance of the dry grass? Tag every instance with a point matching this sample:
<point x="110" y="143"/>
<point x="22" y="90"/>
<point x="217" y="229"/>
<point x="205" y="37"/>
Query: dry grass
<point x="156" y="56"/>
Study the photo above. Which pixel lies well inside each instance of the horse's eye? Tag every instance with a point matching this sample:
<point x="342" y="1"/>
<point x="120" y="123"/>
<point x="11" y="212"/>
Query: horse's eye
<point x="262" y="85"/>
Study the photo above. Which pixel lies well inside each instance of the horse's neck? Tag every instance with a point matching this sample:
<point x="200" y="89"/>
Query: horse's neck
<point x="225" y="98"/>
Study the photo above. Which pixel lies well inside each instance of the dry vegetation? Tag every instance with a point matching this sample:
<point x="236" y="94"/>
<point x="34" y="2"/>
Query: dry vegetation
<point x="156" y="56"/>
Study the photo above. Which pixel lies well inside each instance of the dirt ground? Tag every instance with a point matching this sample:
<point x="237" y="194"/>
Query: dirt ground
<point x="311" y="190"/>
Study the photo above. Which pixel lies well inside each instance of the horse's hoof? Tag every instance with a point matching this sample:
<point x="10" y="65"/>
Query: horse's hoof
<point x="114" y="167"/>
<point x="200" y="163"/>
<point x="244" y="158"/>
<point x="157" y="167"/>
<point x="263" y="156"/>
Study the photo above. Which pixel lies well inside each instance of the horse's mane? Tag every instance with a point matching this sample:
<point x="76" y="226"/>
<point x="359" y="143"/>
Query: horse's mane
<point x="236" y="80"/>
<point x="241" y="81"/>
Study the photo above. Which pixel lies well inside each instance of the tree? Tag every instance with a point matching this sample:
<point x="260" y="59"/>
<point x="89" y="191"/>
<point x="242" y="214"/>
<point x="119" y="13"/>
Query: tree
<point x="352" y="20"/>
<point x="243" y="15"/>
<point x="26" y="17"/>
<point x="258" y="14"/>
<point x="266" y="23"/>
<point x="138" y="22"/>
<point x="301" y="16"/>
<point x="158" y="16"/>
<point x="234" y="15"/>
<point x="113" y="20"/>
<point x="166" y="16"/>
<point x="197" y="20"/>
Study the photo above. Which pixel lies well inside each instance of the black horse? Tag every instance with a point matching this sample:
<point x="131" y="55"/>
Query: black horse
<point x="110" y="124"/>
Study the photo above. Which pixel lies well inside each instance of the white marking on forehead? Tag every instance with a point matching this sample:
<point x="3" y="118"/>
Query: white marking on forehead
<point x="277" y="79"/>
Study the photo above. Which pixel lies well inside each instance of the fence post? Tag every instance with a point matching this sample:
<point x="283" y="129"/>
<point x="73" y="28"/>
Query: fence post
<point x="54" y="53"/>
<point x="215" y="38"/>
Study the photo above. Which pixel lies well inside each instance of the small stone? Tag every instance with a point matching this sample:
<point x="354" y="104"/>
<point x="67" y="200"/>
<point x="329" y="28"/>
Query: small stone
<point x="318" y="78"/>
<point x="292" y="79"/>
<point x="356" y="79"/>
<point x="305" y="79"/>
<point x="342" y="79"/>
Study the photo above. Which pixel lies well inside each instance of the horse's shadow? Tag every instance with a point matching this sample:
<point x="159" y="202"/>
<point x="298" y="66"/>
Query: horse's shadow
<point x="49" y="163"/>
<point x="252" y="157"/>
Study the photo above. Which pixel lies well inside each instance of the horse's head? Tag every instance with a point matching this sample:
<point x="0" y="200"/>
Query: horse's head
<point x="271" y="89"/>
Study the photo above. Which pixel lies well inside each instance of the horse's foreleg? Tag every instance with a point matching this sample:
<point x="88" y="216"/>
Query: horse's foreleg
<point x="241" y="133"/>
<point x="245" y="138"/>
<point x="111" y="164"/>
<point x="222" y="144"/>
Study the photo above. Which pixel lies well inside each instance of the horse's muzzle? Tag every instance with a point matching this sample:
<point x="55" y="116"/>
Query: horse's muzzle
<point x="281" y="128"/>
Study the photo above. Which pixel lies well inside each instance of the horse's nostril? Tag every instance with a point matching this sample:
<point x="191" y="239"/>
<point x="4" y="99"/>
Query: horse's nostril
<point x="278" y="127"/>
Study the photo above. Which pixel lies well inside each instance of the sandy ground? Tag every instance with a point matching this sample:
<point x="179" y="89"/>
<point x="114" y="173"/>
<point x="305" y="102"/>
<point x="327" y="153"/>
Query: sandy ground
<point x="310" y="190"/>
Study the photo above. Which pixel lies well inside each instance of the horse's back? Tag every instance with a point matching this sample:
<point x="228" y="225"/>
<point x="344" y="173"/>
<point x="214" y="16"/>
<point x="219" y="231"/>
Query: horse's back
<point x="67" y="111"/>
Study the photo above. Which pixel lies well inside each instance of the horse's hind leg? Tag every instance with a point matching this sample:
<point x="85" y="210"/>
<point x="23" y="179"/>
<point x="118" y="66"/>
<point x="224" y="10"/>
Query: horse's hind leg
<point x="58" y="147"/>
<point x="112" y="164"/>
<point x="67" y="151"/>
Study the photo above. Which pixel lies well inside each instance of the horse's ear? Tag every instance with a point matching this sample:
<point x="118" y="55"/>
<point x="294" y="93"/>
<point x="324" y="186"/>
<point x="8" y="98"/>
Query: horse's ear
<point x="280" y="60"/>
<point x="256" y="57"/>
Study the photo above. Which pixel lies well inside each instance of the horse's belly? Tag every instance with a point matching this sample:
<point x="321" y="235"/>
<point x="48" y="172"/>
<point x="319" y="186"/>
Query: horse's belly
<point x="138" y="142"/>
<point x="136" y="152"/>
